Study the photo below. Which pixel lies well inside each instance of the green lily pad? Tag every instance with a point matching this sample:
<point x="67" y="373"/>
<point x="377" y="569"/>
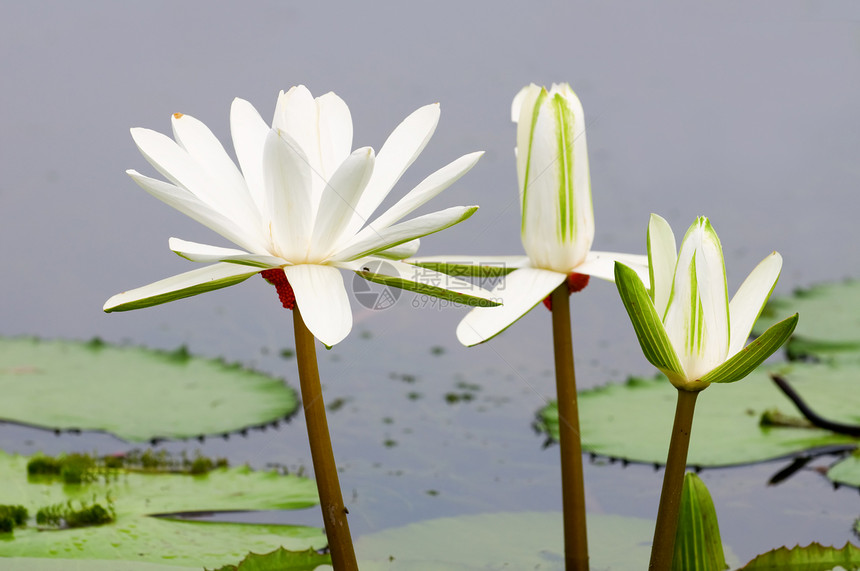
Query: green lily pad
<point x="280" y="560"/>
<point x="813" y="557"/>
<point x="523" y="540"/>
<point x="138" y="394"/>
<point x="633" y="421"/>
<point x="846" y="471"/>
<point x="29" y="564"/>
<point x="829" y="327"/>
<point x="508" y="540"/>
<point x="135" y="497"/>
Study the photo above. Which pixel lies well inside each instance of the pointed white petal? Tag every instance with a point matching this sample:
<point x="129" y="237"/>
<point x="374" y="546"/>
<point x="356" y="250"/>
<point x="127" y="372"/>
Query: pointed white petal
<point x="178" y="166"/>
<point x="519" y="293"/>
<point x="404" y="232"/>
<point x="748" y="302"/>
<point x="188" y="204"/>
<point x="401" y="251"/>
<point x="335" y="126"/>
<point x="296" y="114"/>
<point x="475" y="266"/>
<point x="558" y="219"/>
<point x="249" y="133"/>
<point x="711" y="277"/>
<point x="399" y="151"/>
<point x="426" y="189"/>
<point x="322" y="299"/>
<point x="339" y="199"/>
<point x="207" y="254"/>
<point x="286" y="175"/>
<point x="524" y="98"/>
<point x="177" y="287"/>
<point x="662" y="257"/>
<point x="602" y="265"/>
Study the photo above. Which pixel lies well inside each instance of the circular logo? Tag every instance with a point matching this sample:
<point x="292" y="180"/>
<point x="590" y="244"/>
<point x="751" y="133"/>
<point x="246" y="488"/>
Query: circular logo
<point x="374" y="295"/>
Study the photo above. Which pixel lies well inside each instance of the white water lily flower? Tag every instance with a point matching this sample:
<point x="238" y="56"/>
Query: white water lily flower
<point x="686" y="325"/>
<point x="300" y="202"/>
<point x="557" y="227"/>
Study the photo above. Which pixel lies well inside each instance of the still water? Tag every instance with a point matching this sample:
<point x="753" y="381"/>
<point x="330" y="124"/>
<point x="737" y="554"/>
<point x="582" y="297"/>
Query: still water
<point x="746" y="114"/>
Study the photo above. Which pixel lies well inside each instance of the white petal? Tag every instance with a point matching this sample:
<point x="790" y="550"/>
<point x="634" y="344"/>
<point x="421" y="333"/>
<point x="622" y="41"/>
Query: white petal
<point x="519" y="292"/>
<point x="663" y="256"/>
<point x="249" y="133"/>
<point x="286" y="175"/>
<point x="322" y="299"/>
<point x="404" y="232"/>
<point x="335" y="127"/>
<point x="399" y="151"/>
<point x="426" y="189"/>
<point x="524" y="97"/>
<point x="557" y="215"/>
<point x="747" y="303"/>
<point x="711" y="277"/>
<point x="296" y="114"/>
<point x="177" y="287"/>
<point x="188" y="204"/>
<point x="478" y="260"/>
<point x="339" y="200"/>
<point x="205" y="253"/>
<point x="602" y="265"/>
<point x="182" y="169"/>
<point x="401" y="251"/>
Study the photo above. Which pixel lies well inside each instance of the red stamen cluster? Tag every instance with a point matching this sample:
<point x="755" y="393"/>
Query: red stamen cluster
<point x="278" y="278"/>
<point x="575" y="282"/>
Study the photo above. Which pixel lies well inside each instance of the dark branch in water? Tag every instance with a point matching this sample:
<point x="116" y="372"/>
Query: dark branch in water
<point x="811" y="416"/>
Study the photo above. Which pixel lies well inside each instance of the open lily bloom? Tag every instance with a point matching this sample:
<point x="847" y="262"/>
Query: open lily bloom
<point x="299" y="203"/>
<point x="686" y="325"/>
<point x="557" y="227"/>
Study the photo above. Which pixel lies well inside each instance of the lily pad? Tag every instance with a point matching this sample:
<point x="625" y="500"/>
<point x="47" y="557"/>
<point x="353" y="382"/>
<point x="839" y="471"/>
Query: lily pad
<point x="138" y="394"/>
<point x="633" y="421"/>
<point x="136" y="497"/>
<point x="813" y="557"/>
<point x="829" y="327"/>
<point x="519" y="540"/>
<point x="280" y="560"/>
<point x="846" y="471"/>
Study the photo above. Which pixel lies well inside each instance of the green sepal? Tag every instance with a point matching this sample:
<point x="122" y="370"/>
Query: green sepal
<point x="754" y="354"/>
<point x="455" y="297"/>
<point x="467" y="270"/>
<point x="698" y="546"/>
<point x="652" y="336"/>
<point x="180" y="293"/>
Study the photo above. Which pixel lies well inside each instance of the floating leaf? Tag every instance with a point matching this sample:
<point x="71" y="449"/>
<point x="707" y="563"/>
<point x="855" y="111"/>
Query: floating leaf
<point x="829" y="327"/>
<point x="136" y="393"/>
<point x="813" y="557"/>
<point x="846" y="471"/>
<point x="633" y="421"/>
<point x="136" y="536"/>
<point x="698" y="546"/>
<point x="30" y="564"/>
<point x="280" y="560"/>
<point x="521" y="540"/>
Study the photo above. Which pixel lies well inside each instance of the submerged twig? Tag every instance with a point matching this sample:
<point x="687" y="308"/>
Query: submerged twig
<point x="809" y="414"/>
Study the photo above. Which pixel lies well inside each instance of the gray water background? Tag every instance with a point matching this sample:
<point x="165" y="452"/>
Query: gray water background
<point x="744" y="112"/>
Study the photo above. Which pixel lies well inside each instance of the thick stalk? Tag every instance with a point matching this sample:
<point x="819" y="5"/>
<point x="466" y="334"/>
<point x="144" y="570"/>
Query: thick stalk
<point x="331" y="501"/>
<point x="663" y="547"/>
<point x="572" y="482"/>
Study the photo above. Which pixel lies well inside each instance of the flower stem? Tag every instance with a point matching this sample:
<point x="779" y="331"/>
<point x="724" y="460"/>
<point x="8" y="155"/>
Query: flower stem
<point x="663" y="547"/>
<point x="331" y="501"/>
<point x="572" y="482"/>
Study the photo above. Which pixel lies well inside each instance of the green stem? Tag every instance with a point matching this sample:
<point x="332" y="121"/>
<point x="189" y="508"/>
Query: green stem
<point x="331" y="501"/>
<point x="572" y="481"/>
<point x="663" y="547"/>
